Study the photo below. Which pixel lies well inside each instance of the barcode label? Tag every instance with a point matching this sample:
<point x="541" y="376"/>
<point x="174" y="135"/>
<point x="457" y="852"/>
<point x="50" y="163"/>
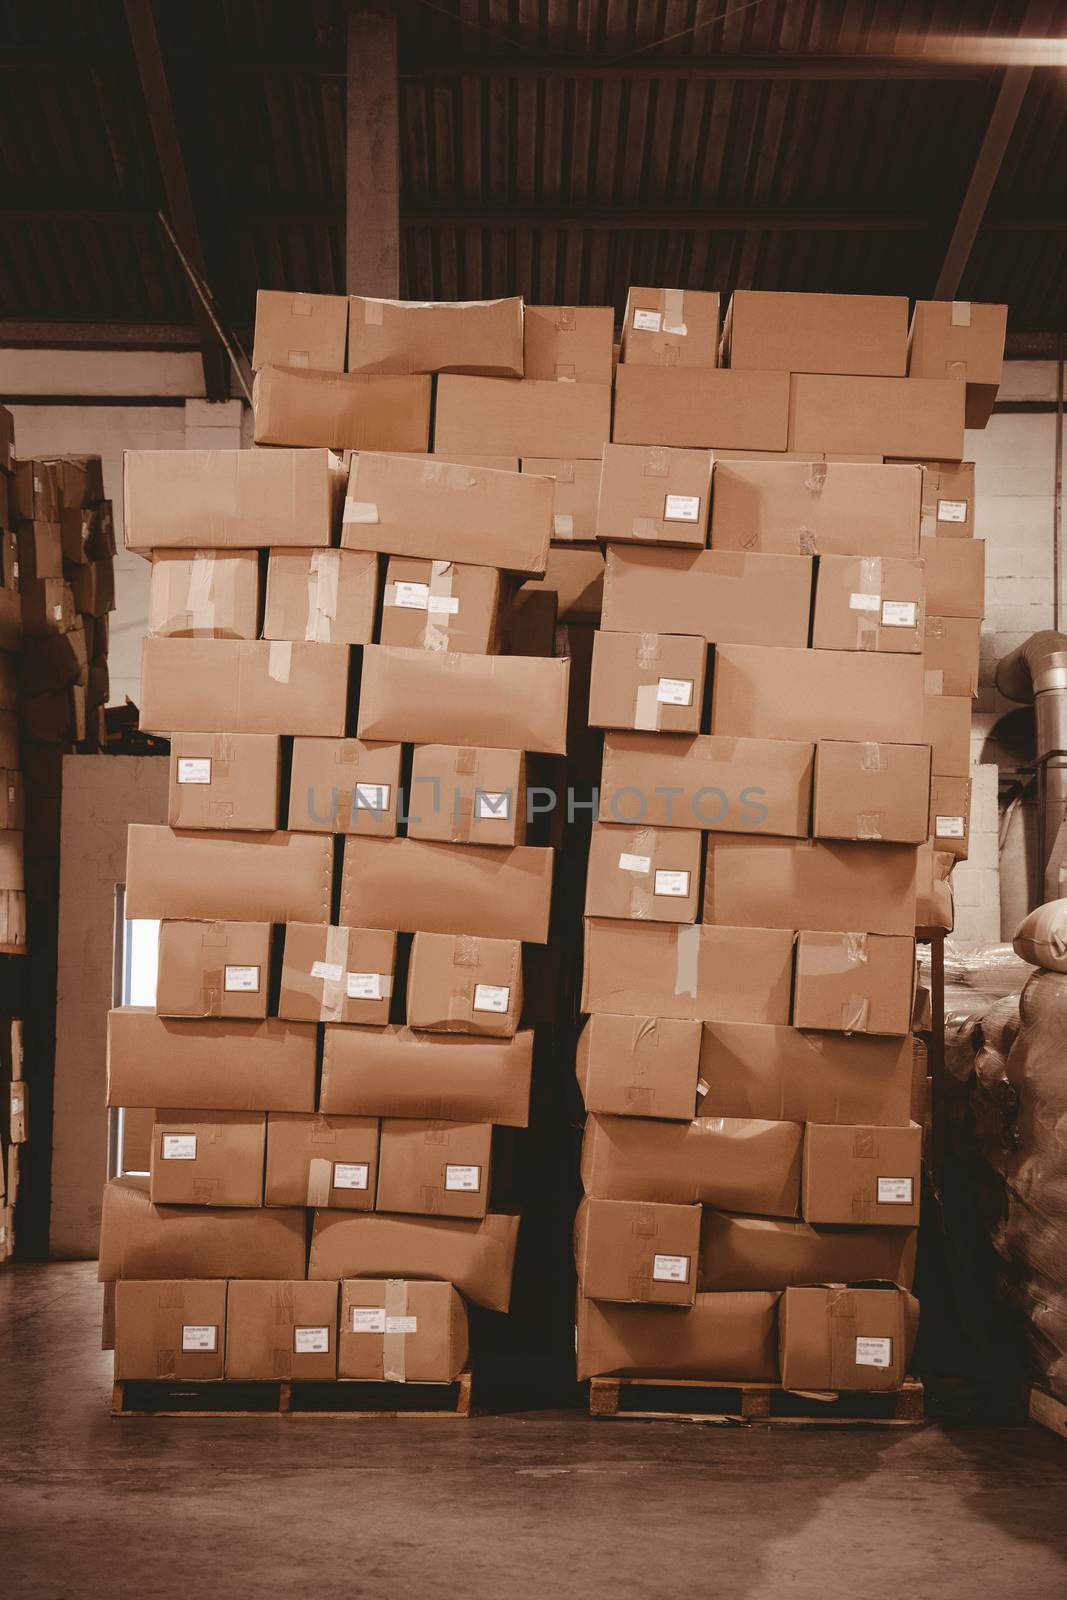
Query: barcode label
<point x="670" y="1269"/>
<point x="467" y="1180"/>
<point x="491" y="997"/>
<point x="368" y="1319"/>
<point x="179" y="1147"/>
<point x="898" y="613"/>
<point x="894" y="1191"/>
<point x="675" y="883"/>
<point x="647" y="321"/>
<point x="241" y="980"/>
<point x="194" y="771"/>
<point x="351" y="1175"/>
<point x="675" y="691"/>
<point x="874" y="1352"/>
<point x="195" y="1336"/>
<point x="952" y="511"/>
<point x="364" y="986"/>
<point x="682" y="508"/>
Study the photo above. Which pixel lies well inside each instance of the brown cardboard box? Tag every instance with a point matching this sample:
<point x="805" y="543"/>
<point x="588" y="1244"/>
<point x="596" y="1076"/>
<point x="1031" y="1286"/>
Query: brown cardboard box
<point x="395" y="1072"/>
<point x="213" y="969"/>
<point x="951" y="648"/>
<point x="34" y="491"/>
<point x="204" y="594"/>
<point x="912" y="417"/>
<point x="833" y="1337"/>
<point x="947" y="730"/>
<point x="639" y="1066"/>
<point x="344" y="786"/>
<point x="12" y="801"/>
<point x="724" y="596"/>
<point x="569" y="344"/>
<point x="324" y="596"/>
<point x="467" y="796"/>
<point x="421" y="697"/>
<point x="219" y="1066"/>
<point x="729" y="1337"/>
<point x="861" y="1175"/>
<point x="742" y="1253"/>
<point x="47" y="606"/>
<point x="400" y="1332"/>
<point x="40" y="551"/>
<point x="955" y="576"/>
<point x="416" y="885"/>
<point x="7" y="440"/>
<point x="281" y="1330"/>
<point x="802" y="883"/>
<point x="575" y="572"/>
<point x="732" y="1164"/>
<point x="481" y="336"/>
<point x="854" y="982"/>
<point x="212" y="1160"/>
<point x="142" y="1240"/>
<point x="815" y="508"/>
<point x="654" y="495"/>
<point x="87" y="533"/>
<point x="441" y="606"/>
<point x="341" y="411"/>
<point x="646" y="873"/>
<point x="575" y="492"/>
<point x="630" y="1250"/>
<point x="171" y="1331"/>
<point x="648" y="681"/>
<point x="817" y="694"/>
<point x="321" y="1161"/>
<point x="93" y="584"/>
<point x="670" y="328"/>
<point x="434" y="1168"/>
<point x="643" y="969"/>
<point x="865" y="790"/>
<point x="776" y="1073"/>
<point x="337" y="974"/>
<point x="963" y="340"/>
<point x="522" y="417"/>
<point x="948" y="499"/>
<point x="244" y="686"/>
<point x="224" y="780"/>
<point x="50" y="661"/>
<point x="426" y="507"/>
<point x="240" y="877"/>
<point x="231" y="499"/>
<point x="868" y="603"/>
<point x="700" y="408"/>
<point x="950" y="815"/>
<point x="934" y="909"/>
<point x="477" y="1256"/>
<point x="457" y="984"/>
<point x="707" y="782"/>
<point x="300" y="330"/>
<point x="851" y="333"/>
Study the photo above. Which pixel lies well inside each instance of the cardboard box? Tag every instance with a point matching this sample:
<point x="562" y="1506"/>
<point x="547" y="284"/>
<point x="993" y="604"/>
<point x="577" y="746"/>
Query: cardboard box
<point x="240" y="877"/>
<point x="776" y="1073"/>
<point x="426" y="507"/>
<point x="34" y="491"/>
<point x="212" y="1160"/>
<point x="231" y="499"/>
<point x="732" y="1164"/>
<point x="951" y="648"/>
<point x="344" y="786"/>
<point x="341" y="411"/>
<point x="481" y="336"/>
<point x="629" y="1250"/>
<point x="40" y="551"/>
<point x="802" y="883"/>
<point x="736" y="785"/>
<point x="219" y="1066"/>
<point x="639" y="1066"/>
<point x="670" y="328"/>
<point x="467" y="796"/>
<point x="400" y="1332"/>
<point x="576" y="487"/>
<point x="950" y="815"/>
<point x="869" y="603"/>
<point x="815" y="508"/>
<point x="478" y="1257"/>
<point x="849" y="333"/>
<point x="225" y="780"/>
<point x="395" y="1072"/>
<point x="817" y="694"/>
<point x="934" y="909"/>
<point x="441" y="606"/>
<point x="87" y="532"/>
<point x="948" y="499"/>
<point x="416" y="885"/>
<point x="284" y="1331"/>
<point x="654" y="495"/>
<point x="204" y="594"/>
<point x="172" y="1331"/>
<point x="575" y="573"/>
<point x="93" y="586"/>
<point x="569" y="344"/>
<point x="728" y="1337"/>
<point x="300" y="330"/>
<point x="457" y="984"/>
<point x="862" y="1175"/>
<point x="12" y="801"/>
<point x="47" y="606"/>
<point x="955" y="576"/>
<point x="142" y="1240"/>
<point x="871" y="791"/>
<point x="527" y="417"/>
<point x="50" y="661"/>
<point x="701" y="408"/>
<point x="648" y="681"/>
<point x="854" y="983"/>
<point x="963" y="340"/>
<point x="334" y="974"/>
<point x="529" y="622"/>
<point x="321" y="1161"/>
<point x="739" y="1253"/>
<point x="244" y="686"/>
<point x="912" y="417"/>
<point x="323" y="596"/>
<point x="434" y="1168"/>
<point x="947" y="730"/>
<point x="646" y="873"/>
<point x="509" y="702"/>
<point x="724" y="596"/>
<point x="213" y="969"/>
<point x="7" y="440"/>
<point x="834" y="1337"/>
<point x="643" y="969"/>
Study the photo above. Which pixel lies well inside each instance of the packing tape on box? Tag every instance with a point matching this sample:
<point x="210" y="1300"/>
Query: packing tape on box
<point x="211" y="988"/>
<point x="831" y="960"/>
<point x="674" y="313"/>
<point x="361" y="511"/>
<point x="564" y="472"/>
<point x="200" y="595"/>
<point x="687" y="960"/>
<point x="960" y="315"/>
<point x="320" y="1181"/>
<point x="566" y="319"/>
<point x="394" y="1363"/>
<point x="815" y="482"/>
<point x="324" y="580"/>
<point x="870" y="824"/>
<point x="280" y="660"/>
<point x="648" y="649"/>
<point x="447" y="475"/>
<point x="644" y="529"/>
<point x="867" y="604"/>
<point x="871" y="759"/>
<point x="934" y="682"/>
<point x="656" y="464"/>
<point x="441" y="606"/>
<point x="333" y="988"/>
<point x="563" y="525"/>
<point x="647" y="708"/>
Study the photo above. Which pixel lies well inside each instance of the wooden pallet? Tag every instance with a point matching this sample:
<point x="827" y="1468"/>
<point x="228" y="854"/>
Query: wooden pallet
<point x="1050" y="1412"/>
<point x="734" y="1403"/>
<point x="347" y="1398"/>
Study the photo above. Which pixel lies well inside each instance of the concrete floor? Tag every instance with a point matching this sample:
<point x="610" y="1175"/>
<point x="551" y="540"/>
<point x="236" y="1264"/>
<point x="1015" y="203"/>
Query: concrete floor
<point x="535" y="1505"/>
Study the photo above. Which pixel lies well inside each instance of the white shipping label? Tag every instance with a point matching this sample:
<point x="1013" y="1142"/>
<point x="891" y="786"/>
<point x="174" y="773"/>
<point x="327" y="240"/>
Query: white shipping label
<point x="672" y="883"/>
<point x="894" y="1191"/>
<point x="198" y="1337"/>
<point x="442" y="605"/>
<point x="493" y="807"/>
<point x="491" y="997"/>
<point x="368" y="1319"/>
<point x="57" y="612"/>
<point x="647" y="321"/>
<point x="413" y="596"/>
<point x="948" y="828"/>
<point x="331" y="971"/>
<point x="364" y="986"/>
<point x="635" y="863"/>
<point x="401" y="1324"/>
<point x="372" y="796"/>
<point x="241" y="980"/>
<point x="311" y="1341"/>
<point x="874" y="1352"/>
<point x="952" y="511"/>
<point x="675" y="691"/>
<point x="898" y="613"/>
<point x="351" y="1175"/>
<point x="670" y="1269"/>
<point x="864" y="602"/>
<point x="194" y="771"/>
<point x="179" y="1147"/>
<point x="466" y="1179"/>
<point x="682" y="508"/>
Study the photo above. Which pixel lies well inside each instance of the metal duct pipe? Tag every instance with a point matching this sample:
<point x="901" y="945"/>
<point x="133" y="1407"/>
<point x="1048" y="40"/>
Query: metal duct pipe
<point x="1037" y="671"/>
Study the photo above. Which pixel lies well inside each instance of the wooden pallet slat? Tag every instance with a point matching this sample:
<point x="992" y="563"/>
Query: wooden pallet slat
<point x="766" y="1403"/>
<point x="1048" y="1411"/>
<point x="284" y="1398"/>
